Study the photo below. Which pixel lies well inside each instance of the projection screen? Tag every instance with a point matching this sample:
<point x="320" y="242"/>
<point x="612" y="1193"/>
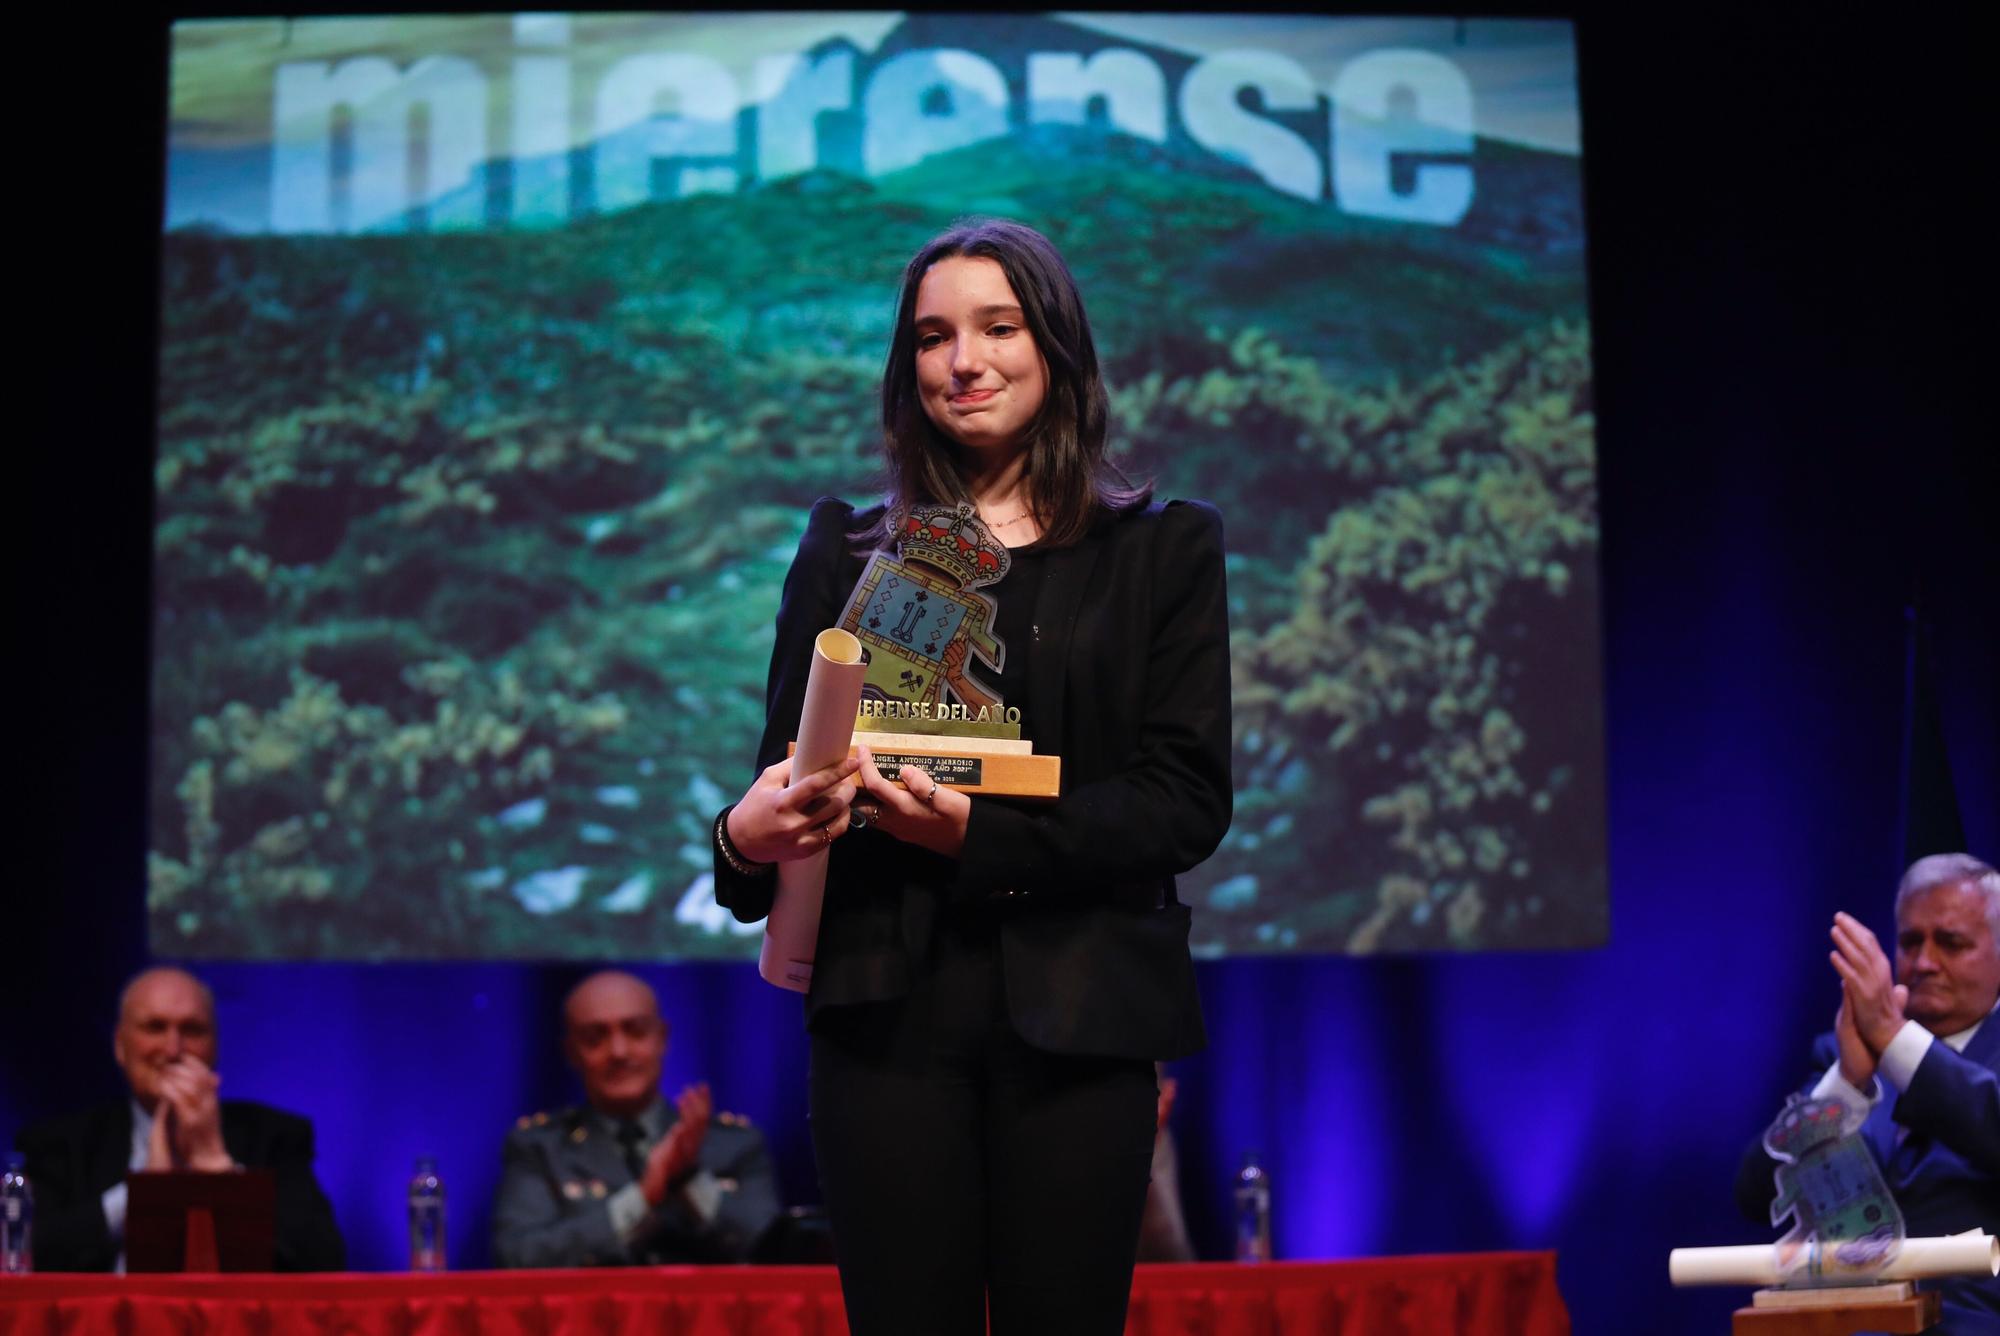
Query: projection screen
<point x="502" y="356"/>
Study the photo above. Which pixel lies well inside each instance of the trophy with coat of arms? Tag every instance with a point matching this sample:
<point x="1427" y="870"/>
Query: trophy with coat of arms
<point x="926" y="622"/>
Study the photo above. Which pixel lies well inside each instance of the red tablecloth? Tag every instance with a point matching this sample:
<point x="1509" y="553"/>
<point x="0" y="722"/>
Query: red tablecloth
<point x="1423" y="1296"/>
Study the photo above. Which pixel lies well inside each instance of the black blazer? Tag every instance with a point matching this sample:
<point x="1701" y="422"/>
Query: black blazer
<point x="1129" y="684"/>
<point x="73" y="1160"/>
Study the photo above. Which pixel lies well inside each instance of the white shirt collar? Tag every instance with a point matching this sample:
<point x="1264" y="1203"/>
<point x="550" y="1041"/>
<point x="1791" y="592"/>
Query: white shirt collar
<point x="1963" y="1037"/>
<point x="142" y="1132"/>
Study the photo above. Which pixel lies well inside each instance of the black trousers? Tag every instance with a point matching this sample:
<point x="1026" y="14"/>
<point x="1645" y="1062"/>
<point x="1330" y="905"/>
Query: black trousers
<point x="966" y="1172"/>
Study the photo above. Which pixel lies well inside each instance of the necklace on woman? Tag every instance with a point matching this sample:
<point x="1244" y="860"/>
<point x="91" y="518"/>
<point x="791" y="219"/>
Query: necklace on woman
<point x="1001" y="524"/>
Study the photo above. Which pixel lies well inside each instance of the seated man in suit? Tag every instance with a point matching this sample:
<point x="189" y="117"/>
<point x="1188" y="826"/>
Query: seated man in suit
<point x="172" y="1119"/>
<point x="1927" y="1037"/>
<point x="626" y="1179"/>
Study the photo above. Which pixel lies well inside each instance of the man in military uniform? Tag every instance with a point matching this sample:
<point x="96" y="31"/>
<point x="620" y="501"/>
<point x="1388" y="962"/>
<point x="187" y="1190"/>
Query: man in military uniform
<point x="626" y="1178"/>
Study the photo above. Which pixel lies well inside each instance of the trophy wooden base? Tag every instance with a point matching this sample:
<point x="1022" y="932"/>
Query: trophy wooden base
<point x="1837" y="1311"/>
<point x="970" y="765"/>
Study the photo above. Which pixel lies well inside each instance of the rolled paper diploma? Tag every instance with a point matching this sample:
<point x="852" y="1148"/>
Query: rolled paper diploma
<point x="826" y="732"/>
<point x="1975" y="1253"/>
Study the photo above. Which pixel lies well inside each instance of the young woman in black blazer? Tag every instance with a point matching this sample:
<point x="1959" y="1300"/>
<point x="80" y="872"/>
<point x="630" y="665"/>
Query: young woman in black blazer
<point x="994" y="980"/>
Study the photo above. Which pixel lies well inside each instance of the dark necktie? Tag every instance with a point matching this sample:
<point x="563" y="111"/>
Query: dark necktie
<point x="630" y="1134"/>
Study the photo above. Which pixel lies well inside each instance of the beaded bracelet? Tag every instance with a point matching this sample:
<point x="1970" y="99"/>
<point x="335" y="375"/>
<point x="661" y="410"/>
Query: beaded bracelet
<point x="738" y="864"/>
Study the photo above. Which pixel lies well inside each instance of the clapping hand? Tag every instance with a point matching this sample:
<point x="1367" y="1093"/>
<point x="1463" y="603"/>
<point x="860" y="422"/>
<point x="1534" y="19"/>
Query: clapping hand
<point x="1871" y="1002"/>
<point x="1857" y="1060"/>
<point x="676" y="1155"/>
<point x="1870" y="996"/>
<point x="187" y="1122"/>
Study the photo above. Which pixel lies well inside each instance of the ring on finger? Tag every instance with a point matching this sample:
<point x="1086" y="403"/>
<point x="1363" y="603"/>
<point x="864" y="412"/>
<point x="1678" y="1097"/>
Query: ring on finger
<point x="826" y="834"/>
<point x="931" y="797"/>
<point x="862" y="815"/>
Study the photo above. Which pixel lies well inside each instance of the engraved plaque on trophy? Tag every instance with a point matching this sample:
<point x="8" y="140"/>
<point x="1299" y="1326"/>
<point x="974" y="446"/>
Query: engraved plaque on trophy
<point x="927" y="623"/>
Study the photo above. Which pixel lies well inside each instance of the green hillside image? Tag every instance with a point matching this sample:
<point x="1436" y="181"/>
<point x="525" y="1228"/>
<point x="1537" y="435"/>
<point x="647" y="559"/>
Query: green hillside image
<point x="469" y="547"/>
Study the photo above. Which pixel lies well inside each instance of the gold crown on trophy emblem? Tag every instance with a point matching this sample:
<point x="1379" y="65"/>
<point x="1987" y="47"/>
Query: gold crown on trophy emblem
<point x="955" y="540"/>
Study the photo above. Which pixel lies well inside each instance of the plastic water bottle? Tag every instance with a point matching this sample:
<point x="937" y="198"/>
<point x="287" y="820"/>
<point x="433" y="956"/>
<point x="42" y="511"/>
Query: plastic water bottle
<point x="1253" y="1211"/>
<point x="17" y="1218"/>
<point x="426" y="1217"/>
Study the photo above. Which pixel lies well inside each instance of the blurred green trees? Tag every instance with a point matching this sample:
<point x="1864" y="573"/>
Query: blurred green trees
<point x="1419" y="731"/>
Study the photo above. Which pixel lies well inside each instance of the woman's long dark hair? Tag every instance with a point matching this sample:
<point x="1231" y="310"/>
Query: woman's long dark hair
<point x="1070" y="482"/>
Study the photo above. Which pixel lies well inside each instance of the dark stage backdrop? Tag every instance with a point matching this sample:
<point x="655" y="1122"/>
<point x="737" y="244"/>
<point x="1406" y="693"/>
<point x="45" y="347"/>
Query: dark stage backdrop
<point x="1785" y="341"/>
<point x="501" y="358"/>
